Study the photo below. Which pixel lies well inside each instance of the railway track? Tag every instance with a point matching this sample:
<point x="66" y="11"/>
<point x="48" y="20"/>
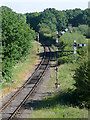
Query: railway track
<point x="14" y="104"/>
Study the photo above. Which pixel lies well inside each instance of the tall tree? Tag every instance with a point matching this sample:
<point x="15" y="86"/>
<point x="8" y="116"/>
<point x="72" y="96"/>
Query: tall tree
<point x="16" y="39"/>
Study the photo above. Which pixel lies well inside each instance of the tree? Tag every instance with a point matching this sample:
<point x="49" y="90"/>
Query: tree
<point x="33" y="19"/>
<point x="82" y="82"/>
<point x="16" y="40"/>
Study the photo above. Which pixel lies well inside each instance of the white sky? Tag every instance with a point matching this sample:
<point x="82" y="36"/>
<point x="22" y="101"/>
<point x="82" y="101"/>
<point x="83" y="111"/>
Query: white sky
<point x="23" y="6"/>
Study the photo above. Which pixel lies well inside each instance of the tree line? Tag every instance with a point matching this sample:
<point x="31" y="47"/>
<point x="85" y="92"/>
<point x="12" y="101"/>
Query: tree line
<point x="16" y="40"/>
<point x="51" y="19"/>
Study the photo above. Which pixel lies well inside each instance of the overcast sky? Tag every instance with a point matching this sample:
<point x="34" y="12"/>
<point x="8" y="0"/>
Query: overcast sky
<point x="23" y="6"/>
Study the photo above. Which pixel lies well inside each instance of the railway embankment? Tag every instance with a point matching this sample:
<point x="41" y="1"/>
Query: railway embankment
<point x="22" y="71"/>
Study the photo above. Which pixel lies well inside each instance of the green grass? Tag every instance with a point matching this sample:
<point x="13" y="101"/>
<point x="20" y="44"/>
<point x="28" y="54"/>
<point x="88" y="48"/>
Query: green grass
<point x="60" y="112"/>
<point x="62" y="103"/>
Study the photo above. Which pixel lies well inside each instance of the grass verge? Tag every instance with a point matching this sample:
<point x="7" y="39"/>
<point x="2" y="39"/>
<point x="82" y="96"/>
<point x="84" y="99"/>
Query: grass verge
<point x="21" y="71"/>
<point x="62" y="103"/>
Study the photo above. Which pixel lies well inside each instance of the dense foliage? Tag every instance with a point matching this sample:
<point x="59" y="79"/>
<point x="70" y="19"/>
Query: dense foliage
<point x="82" y="29"/>
<point x="16" y="40"/>
<point x="53" y="19"/>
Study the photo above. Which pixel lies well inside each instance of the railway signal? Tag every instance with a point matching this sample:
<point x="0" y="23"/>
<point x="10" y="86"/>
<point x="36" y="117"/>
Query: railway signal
<point x="79" y="45"/>
<point x="62" y="33"/>
<point x="57" y="84"/>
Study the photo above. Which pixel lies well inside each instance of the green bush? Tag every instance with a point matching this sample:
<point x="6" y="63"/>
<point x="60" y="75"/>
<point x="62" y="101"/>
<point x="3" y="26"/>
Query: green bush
<point x="82" y="83"/>
<point x="68" y="58"/>
<point x="62" y="60"/>
<point x="83" y="29"/>
<point x="81" y="51"/>
<point x="73" y="58"/>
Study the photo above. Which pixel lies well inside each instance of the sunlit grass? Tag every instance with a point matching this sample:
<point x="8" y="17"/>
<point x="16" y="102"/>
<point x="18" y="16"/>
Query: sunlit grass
<point x="61" y="104"/>
<point x="60" y="112"/>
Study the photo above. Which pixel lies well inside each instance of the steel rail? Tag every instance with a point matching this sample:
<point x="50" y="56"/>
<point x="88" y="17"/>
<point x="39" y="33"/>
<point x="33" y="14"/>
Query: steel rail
<point x="22" y="87"/>
<point x="33" y="88"/>
<point x="29" y="94"/>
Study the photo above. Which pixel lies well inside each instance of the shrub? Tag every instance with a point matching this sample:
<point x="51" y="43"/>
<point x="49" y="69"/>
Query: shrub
<point x="82" y="83"/>
<point x="73" y="58"/>
<point x="62" y="60"/>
